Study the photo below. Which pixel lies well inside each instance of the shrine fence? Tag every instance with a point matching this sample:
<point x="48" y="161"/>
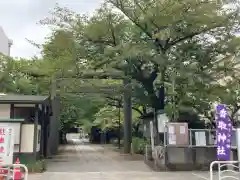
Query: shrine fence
<point x="198" y="138"/>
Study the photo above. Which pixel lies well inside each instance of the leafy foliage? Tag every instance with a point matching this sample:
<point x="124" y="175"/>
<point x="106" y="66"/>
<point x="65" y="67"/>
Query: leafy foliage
<point x="179" y="46"/>
<point x="174" y="52"/>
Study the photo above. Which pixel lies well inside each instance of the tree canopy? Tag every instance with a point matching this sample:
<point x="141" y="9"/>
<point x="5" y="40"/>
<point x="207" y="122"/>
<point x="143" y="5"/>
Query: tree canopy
<point x="174" y="52"/>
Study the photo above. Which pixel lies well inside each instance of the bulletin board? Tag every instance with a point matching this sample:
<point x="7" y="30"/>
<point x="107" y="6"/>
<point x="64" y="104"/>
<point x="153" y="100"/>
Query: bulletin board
<point x="17" y="129"/>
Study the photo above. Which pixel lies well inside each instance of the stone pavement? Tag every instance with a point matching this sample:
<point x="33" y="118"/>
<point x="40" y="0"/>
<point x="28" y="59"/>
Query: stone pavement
<point x="137" y="175"/>
<point x="93" y="162"/>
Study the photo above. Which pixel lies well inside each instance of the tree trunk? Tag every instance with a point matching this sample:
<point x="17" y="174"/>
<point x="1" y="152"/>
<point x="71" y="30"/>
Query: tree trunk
<point x="63" y="138"/>
<point x="127" y="124"/>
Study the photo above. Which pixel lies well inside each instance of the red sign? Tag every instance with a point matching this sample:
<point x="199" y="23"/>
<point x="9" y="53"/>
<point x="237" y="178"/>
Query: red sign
<point x="2" y="131"/>
<point x="1" y="139"/>
<point x="1" y="149"/>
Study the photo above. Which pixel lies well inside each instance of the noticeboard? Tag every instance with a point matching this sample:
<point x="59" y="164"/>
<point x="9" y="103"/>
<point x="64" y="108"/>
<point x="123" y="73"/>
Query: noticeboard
<point x="178" y="134"/>
<point x="6" y="145"/>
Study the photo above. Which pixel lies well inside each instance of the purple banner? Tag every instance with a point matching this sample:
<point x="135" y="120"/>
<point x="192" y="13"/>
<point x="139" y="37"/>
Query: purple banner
<point x="224" y="133"/>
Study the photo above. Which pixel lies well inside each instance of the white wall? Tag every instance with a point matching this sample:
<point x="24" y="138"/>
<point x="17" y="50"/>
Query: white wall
<point x="27" y="138"/>
<point x="38" y="138"/>
<point x="4" y="111"/>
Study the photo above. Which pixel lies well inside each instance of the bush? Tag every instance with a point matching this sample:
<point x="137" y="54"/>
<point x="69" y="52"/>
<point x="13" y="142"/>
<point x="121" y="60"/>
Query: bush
<point x="37" y="166"/>
<point x="138" y="145"/>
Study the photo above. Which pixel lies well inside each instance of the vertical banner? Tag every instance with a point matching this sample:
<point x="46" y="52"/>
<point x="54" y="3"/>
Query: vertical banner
<point x="223" y="133"/>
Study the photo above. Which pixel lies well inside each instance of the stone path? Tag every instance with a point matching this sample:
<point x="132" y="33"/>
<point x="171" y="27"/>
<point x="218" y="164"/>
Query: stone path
<point x="93" y="162"/>
<point x="93" y="158"/>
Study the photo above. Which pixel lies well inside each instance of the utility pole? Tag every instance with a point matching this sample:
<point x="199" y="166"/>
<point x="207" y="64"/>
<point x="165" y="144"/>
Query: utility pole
<point x="127" y="115"/>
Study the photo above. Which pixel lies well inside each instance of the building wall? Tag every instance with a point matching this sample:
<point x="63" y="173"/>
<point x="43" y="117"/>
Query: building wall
<point x="5" y="111"/>
<point x="27" y="138"/>
<point x="5" y="43"/>
<point x="22" y="133"/>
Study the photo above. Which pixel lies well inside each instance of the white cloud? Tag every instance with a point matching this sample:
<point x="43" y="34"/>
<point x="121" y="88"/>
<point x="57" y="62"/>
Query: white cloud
<point x="19" y="21"/>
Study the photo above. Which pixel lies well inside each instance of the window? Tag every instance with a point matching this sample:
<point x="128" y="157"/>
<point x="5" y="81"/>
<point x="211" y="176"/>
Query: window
<point x="26" y="113"/>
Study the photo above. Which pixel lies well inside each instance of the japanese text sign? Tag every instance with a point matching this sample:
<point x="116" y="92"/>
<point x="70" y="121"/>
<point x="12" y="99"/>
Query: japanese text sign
<point x="224" y="133"/>
<point x="6" y="145"/>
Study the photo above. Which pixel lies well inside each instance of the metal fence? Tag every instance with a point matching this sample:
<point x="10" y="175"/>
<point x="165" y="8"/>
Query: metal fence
<point x="14" y="171"/>
<point x="226" y="170"/>
<point x="200" y="137"/>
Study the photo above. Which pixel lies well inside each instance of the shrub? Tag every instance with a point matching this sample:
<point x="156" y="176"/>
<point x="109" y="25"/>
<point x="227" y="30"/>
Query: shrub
<point x="138" y="145"/>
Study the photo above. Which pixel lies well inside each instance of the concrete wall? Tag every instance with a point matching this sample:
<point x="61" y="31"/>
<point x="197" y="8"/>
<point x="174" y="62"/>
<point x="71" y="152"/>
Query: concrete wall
<point x="185" y="158"/>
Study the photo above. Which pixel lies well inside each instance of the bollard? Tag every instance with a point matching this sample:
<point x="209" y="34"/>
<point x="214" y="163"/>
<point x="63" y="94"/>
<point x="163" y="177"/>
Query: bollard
<point x="1" y="173"/>
<point x="17" y="171"/>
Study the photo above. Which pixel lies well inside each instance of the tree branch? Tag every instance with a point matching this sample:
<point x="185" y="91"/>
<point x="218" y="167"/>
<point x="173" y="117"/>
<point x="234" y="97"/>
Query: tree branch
<point x="94" y="75"/>
<point x="119" y="5"/>
<point x="99" y="41"/>
<point x="191" y="35"/>
<point x="112" y="31"/>
<point x="119" y="102"/>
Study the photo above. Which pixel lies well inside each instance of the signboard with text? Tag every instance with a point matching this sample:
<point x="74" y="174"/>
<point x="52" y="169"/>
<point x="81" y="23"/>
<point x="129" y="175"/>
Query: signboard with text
<point x="224" y="133"/>
<point x="6" y="145"/>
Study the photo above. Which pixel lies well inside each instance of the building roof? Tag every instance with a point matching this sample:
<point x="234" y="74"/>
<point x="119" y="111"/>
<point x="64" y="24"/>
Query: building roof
<point x="28" y="99"/>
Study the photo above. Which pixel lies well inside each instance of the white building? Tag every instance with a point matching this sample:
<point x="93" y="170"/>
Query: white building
<point x="5" y="43"/>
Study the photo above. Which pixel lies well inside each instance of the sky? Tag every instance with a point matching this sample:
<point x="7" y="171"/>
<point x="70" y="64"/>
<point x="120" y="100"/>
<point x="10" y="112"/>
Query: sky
<point x="19" y="20"/>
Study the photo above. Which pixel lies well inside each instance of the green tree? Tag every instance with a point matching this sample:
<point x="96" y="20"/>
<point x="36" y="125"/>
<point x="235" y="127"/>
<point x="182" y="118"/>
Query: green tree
<point x="164" y="45"/>
<point x="137" y="46"/>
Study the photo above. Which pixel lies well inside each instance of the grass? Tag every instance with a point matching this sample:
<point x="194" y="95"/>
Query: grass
<point x="138" y="145"/>
<point x="37" y="166"/>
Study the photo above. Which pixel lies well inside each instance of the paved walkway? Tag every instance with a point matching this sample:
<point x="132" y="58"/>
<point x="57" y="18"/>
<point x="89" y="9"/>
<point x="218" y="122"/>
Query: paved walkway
<point x="93" y="162"/>
<point x="93" y="158"/>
